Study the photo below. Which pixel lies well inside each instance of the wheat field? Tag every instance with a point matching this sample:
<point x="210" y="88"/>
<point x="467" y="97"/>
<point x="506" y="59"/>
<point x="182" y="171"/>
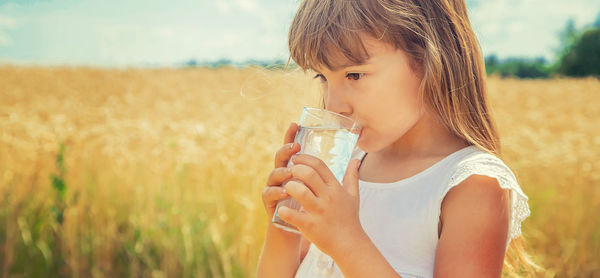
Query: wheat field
<point x="158" y="172"/>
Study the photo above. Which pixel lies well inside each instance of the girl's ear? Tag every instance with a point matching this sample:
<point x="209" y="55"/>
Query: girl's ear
<point x="417" y="67"/>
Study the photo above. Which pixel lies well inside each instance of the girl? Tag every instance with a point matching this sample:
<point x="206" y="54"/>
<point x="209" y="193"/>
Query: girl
<point x="431" y="197"/>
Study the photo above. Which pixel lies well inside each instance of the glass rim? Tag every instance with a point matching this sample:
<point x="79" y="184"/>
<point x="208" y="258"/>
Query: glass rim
<point x="354" y="122"/>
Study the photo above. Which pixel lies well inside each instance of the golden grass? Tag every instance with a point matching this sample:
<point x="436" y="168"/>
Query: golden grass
<point x="164" y="168"/>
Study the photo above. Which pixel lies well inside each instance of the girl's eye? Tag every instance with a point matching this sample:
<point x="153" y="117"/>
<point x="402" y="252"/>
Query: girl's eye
<point x="320" y="77"/>
<point x="354" y="76"/>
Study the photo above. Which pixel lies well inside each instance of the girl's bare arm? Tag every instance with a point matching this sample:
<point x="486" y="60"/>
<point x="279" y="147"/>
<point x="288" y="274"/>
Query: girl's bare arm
<point x="280" y="256"/>
<point x="281" y="253"/>
<point x="361" y="258"/>
<point x="475" y="217"/>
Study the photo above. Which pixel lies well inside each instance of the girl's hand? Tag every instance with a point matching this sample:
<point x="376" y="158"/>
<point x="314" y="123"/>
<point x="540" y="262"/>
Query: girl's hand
<point x="330" y="216"/>
<point x="273" y="192"/>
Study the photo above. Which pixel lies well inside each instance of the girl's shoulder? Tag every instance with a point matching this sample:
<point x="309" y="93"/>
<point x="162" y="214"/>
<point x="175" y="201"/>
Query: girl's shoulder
<point x="475" y="161"/>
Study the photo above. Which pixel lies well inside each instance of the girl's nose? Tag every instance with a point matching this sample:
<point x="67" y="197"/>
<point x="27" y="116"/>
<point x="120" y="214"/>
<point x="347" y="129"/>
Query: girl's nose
<point x="335" y="101"/>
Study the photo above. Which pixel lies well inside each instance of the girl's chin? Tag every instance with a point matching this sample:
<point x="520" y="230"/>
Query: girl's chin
<point x="366" y="143"/>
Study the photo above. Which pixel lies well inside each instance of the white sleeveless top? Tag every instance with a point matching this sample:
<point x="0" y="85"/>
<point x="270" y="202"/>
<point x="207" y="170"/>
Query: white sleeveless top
<point x="401" y="218"/>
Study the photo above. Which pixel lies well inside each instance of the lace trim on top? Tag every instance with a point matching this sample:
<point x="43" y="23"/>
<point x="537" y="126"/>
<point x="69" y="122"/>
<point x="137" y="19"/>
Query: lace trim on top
<point x="493" y="167"/>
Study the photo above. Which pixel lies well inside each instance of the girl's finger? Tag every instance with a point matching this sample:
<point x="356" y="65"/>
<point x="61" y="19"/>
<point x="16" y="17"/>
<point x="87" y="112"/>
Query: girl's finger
<point x="303" y="195"/>
<point x="282" y="156"/>
<point x="273" y="193"/>
<point x="350" y="182"/>
<point x="278" y="176"/>
<point x="300" y="219"/>
<point x="309" y="177"/>
<point x="290" y="134"/>
<point x="318" y="165"/>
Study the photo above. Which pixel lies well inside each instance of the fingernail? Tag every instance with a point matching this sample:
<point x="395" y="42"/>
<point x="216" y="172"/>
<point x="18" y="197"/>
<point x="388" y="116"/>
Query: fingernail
<point x="292" y="146"/>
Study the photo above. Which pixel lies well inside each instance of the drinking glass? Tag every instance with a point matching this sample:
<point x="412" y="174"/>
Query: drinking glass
<point x="330" y="137"/>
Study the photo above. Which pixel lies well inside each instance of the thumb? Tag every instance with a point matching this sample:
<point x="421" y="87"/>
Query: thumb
<point x="350" y="181"/>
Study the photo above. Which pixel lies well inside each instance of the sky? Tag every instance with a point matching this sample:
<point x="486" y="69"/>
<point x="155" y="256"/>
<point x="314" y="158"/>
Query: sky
<point x="125" y="33"/>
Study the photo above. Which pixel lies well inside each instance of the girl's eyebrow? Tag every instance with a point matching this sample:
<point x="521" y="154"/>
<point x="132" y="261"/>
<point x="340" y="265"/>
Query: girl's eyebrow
<point x="348" y="65"/>
<point x="344" y="66"/>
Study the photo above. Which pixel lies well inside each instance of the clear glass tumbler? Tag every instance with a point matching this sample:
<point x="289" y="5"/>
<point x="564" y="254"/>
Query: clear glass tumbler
<point x="332" y="138"/>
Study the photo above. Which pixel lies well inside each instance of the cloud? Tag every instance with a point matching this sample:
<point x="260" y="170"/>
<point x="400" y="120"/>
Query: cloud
<point x="223" y="7"/>
<point x="6" y="23"/>
<point x="525" y="28"/>
<point x="5" y="40"/>
<point x="97" y="32"/>
<point x="226" y="7"/>
<point x="247" y="5"/>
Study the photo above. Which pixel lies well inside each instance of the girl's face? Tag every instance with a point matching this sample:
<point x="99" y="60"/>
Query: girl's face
<point x="381" y="94"/>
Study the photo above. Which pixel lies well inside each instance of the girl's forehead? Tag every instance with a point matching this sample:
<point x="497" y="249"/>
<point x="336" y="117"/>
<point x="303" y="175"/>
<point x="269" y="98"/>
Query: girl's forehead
<point x="375" y="46"/>
<point x="337" y="61"/>
<point x="374" y="50"/>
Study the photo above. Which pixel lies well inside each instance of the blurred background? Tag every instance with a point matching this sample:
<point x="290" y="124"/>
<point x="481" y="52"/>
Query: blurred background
<point x="136" y="136"/>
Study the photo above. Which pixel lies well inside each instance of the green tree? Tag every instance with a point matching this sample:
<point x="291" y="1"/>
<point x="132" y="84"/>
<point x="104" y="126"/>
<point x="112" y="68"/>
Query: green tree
<point x="583" y="57"/>
<point x="567" y="37"/>
<point x="491" y="63"/>
<point x="517" y="67"/>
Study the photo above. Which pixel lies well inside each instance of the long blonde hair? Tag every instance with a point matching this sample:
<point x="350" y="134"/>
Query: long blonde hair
<point x="438" y="37"/>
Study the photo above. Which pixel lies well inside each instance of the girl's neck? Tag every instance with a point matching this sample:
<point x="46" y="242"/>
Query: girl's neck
<point x="427" y="138"/>
<point x="426" y="143"/>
